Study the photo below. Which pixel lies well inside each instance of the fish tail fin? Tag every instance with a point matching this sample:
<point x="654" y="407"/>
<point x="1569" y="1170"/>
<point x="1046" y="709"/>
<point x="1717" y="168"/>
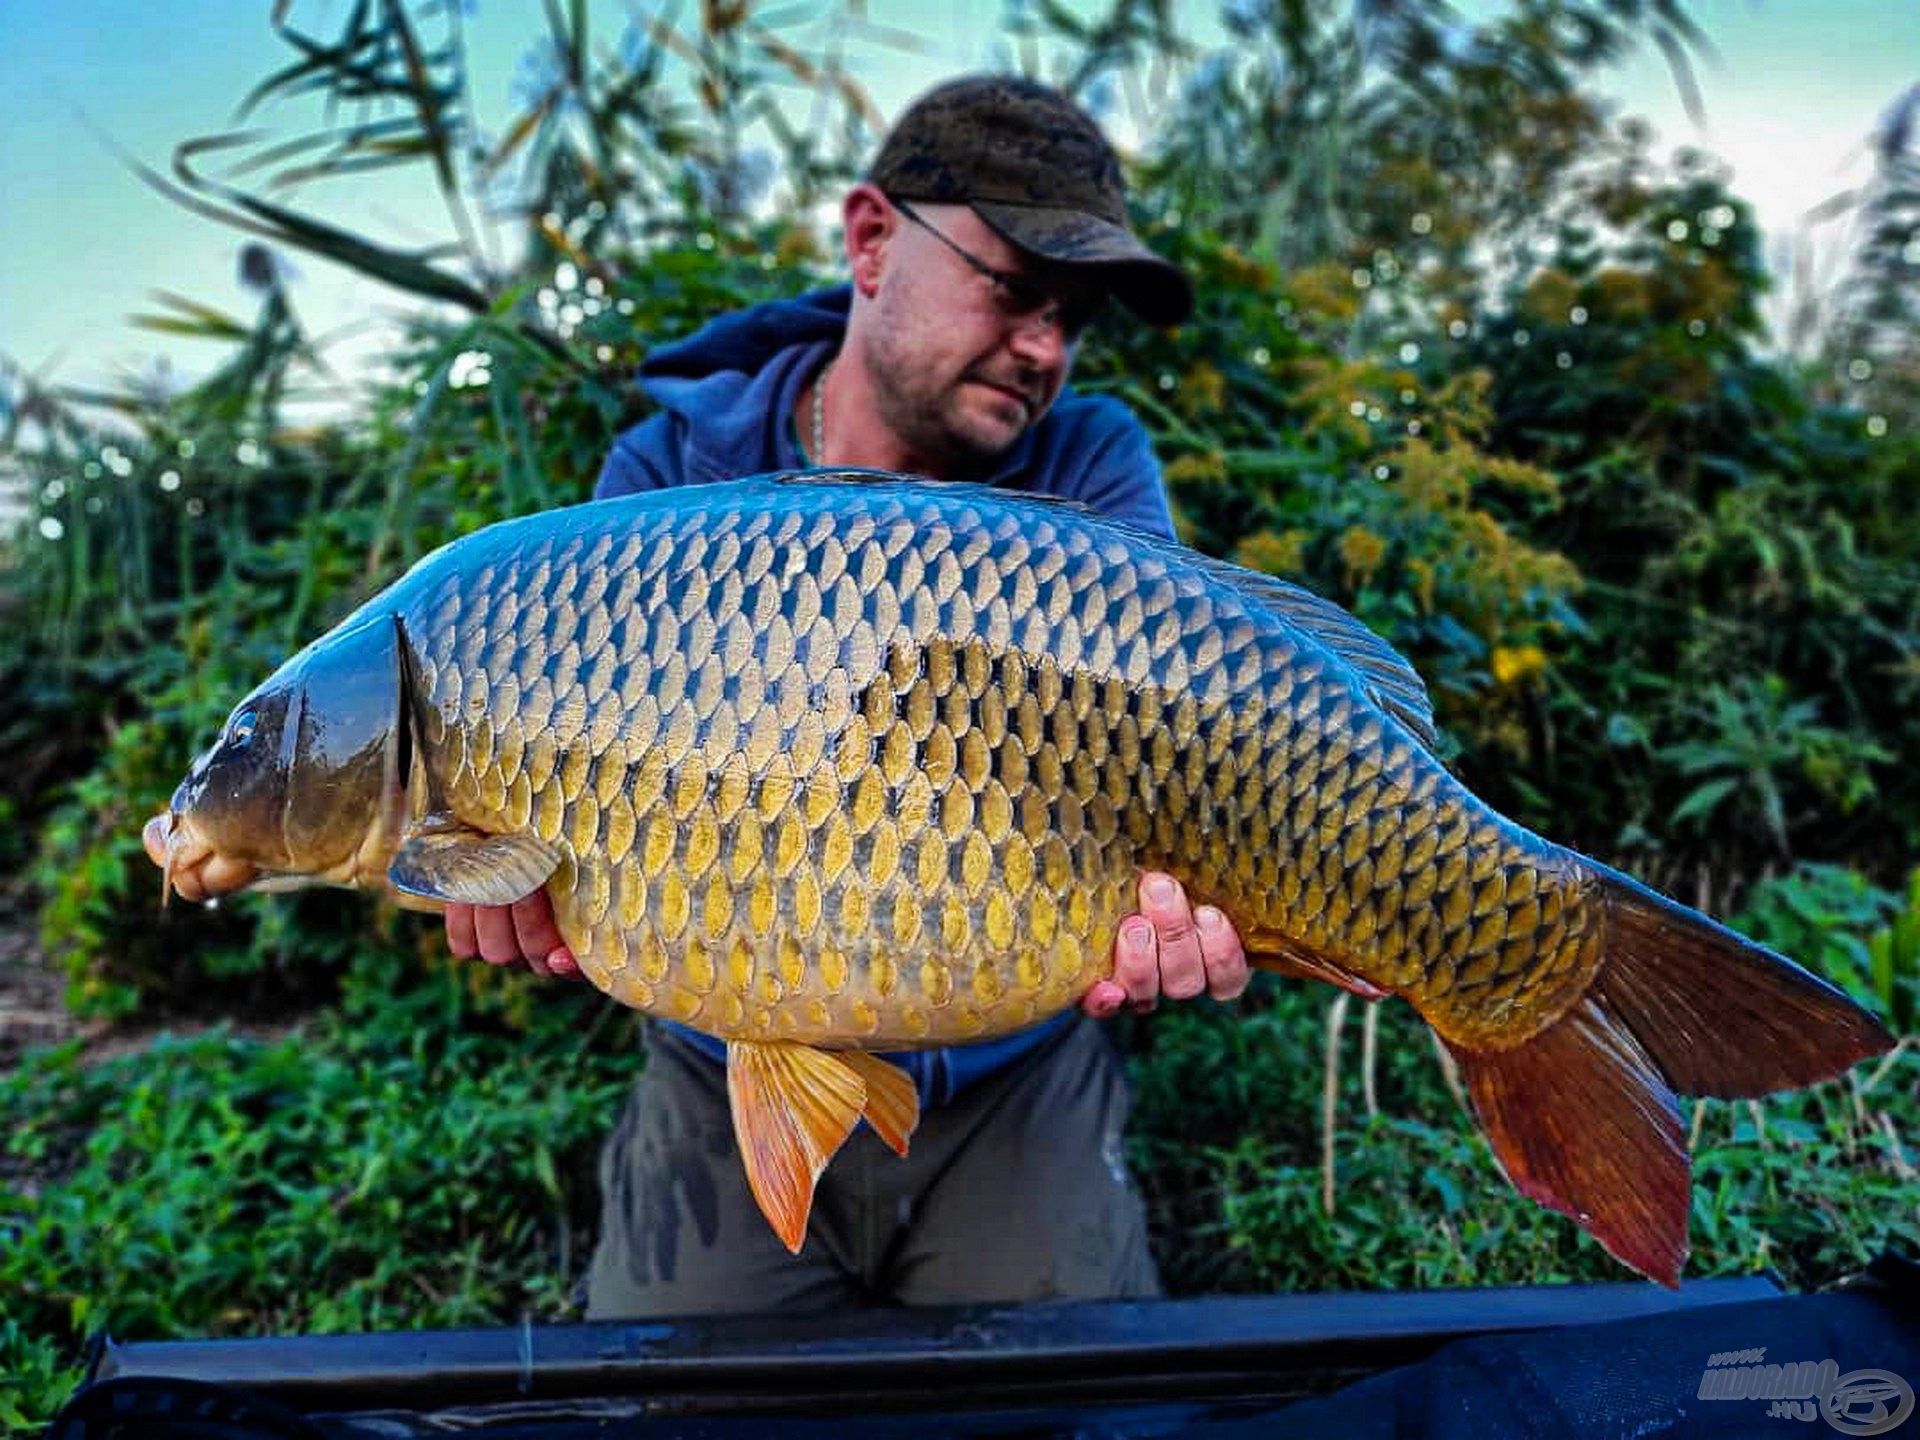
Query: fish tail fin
<point x="1718" y="1013"/>
<point x="1584" y="1116"/>
<point x="1583" y="1122"/>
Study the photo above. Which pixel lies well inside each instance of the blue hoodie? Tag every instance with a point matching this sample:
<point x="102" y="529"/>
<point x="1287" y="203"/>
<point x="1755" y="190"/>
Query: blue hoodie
<point x="726" y="396"/>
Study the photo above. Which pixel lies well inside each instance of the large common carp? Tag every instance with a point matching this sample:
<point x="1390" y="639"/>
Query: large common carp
<point x="834" y="765"/>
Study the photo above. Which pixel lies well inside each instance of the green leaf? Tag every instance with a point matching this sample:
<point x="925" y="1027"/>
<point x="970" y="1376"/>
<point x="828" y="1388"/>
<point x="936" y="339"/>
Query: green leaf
<point x="1704" y="799"/>
<point x="544" y="1171"/>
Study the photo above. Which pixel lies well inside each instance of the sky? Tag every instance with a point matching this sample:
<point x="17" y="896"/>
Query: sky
<point x="84" y="244"/>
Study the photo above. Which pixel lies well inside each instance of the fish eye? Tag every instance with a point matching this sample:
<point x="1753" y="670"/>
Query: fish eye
<point x="240" y="728"/>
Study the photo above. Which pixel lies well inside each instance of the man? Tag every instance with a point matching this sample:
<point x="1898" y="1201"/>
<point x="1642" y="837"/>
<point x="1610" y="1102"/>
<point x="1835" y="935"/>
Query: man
<point x="990" y="227"/>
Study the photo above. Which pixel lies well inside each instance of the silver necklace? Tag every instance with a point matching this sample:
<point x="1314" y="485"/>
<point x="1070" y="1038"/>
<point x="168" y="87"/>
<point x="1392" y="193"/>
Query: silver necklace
<point x="819" y="455"/>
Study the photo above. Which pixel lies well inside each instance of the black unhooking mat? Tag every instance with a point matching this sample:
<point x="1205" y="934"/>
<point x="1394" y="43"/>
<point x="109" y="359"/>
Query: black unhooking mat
<point x="1847" y="1362"/>
<point x="1709" y="1362"/>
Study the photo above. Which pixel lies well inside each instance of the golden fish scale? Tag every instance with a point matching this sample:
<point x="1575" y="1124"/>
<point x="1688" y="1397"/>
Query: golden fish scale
<point x="882" y="772"/>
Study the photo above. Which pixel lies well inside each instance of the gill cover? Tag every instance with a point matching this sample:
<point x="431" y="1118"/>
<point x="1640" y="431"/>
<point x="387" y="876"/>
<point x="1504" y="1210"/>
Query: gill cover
<point x="346" y="771"/>
<point x="308" y="776"/>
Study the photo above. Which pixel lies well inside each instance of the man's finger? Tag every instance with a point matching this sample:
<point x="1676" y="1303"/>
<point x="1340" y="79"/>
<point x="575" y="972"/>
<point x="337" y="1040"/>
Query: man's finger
<point x="539" y="938"/>
<point x="1104" y="1000"/>
<point x="461" y="939"/>
<point x="493" y="925"/>
<point x="1136" y="962"/>
<point x="1183" y="973"/>
<point x="1222" y="953"/>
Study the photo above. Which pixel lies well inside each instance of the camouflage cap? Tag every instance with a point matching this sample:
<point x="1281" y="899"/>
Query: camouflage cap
<point x="1035" y="167"/>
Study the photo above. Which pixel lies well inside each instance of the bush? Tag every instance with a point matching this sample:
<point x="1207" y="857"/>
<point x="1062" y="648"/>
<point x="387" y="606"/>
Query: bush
<point x="420" y="1156"/>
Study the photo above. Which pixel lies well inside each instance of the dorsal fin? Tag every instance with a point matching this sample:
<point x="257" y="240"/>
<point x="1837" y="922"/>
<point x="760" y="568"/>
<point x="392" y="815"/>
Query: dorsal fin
<point x="1394" y="684"/>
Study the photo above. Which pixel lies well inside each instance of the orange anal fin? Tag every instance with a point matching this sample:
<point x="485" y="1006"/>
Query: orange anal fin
<point x="793" y="1107"/>
<point x="1283" y="955"/>
<point x="1583" y="1122"/>
<point x="893" y="1105"/>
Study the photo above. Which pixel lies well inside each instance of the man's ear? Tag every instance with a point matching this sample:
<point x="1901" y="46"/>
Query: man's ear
<point x="868" y="222"/>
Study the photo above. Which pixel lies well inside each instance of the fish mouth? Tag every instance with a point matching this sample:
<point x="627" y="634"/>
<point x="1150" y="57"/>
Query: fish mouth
<point x="190" y="865"/>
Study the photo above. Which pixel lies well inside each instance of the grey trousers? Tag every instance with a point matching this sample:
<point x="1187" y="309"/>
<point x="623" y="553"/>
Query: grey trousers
<point x="1018" y="1190"/>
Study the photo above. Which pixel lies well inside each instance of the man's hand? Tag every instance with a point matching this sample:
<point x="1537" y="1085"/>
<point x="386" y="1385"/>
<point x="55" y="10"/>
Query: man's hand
<point x="1169" y="949"/>
<point x="522" y="933"/>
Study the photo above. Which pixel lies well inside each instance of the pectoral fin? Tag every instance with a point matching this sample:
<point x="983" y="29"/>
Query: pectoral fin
<point x="1283" y="955"/>
<point x="793" y="1107"/>
<point x="455" y="863"/>
<point x="893" y="1105"/>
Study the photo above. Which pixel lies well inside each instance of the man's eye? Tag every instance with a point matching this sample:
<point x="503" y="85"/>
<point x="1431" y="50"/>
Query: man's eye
<point x="1075" y="318"/>
<point x="1012" y="294"/>
<point x="1019" y="297"/>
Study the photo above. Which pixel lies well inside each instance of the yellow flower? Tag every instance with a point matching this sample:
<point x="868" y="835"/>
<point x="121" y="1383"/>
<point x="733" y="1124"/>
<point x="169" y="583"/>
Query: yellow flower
<point x="1619" y="294"/>
<point x="1282" y="554"/>
<point x="1550" y="296"/>
<point x="1242" y="273"/>
<point x="1207" y="465"/>
<point x="1422" y="573"/>
<point x="1511" y="736"/>
<point x="1324" y="292"/>
<point x="1205" y="388"/>
<point x="797" y="246"/>
<point x="1512" y="664"/>
<point x="1361" y="551"/>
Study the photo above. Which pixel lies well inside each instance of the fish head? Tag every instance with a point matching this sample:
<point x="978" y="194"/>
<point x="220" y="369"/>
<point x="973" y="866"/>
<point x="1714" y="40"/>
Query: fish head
<point x="306" y="784"/>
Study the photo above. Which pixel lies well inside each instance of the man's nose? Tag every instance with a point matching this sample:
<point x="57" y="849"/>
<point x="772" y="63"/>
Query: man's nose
<point x="1041" y="340"/>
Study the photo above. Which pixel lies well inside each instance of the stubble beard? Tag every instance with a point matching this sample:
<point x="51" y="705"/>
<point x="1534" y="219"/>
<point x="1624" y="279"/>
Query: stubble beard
<point x="925" y="417"/>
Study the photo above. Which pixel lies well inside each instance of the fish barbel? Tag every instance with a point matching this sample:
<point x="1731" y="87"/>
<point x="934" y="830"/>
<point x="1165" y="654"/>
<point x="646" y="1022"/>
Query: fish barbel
<point x="829" y="765"/>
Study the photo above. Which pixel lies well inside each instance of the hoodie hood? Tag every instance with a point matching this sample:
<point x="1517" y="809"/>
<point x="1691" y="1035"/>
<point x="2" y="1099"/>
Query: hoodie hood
<point x="742" y="342"/>
<point x="732" y="383"/>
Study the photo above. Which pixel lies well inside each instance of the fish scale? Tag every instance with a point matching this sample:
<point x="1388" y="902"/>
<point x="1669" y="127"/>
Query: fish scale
<point x="718" y="734"/>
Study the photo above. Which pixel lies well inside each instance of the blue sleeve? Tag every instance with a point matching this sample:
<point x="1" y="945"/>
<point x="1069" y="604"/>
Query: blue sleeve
<point x="646" y="457"/>
<point x="1121" y="477"/>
